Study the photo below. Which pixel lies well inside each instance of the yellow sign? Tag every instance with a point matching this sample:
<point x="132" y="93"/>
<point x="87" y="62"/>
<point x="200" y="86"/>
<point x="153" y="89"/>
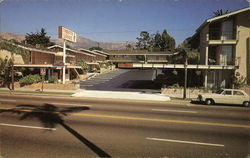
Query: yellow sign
<point x="64" y="33"/>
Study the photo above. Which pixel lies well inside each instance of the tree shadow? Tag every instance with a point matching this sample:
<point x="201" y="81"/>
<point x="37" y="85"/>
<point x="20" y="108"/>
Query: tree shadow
<point x="50" y="116"/>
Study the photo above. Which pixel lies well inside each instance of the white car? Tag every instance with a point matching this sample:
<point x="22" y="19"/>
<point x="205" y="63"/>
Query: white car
<point x="226" y="96"/>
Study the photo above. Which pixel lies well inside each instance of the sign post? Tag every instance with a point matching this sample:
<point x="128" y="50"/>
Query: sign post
<point x="43" y="73"/>
<point x="65" y="34"/>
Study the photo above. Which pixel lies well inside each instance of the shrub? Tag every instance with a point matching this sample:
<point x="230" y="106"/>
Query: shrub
<point x="103" y="65"/>
<point x="83" y="64"/>
<point x="30" y="79"/>
<point x="97" y="71"/>
<point x="53" y="79"/>
<point x="239" y="81"/>
<point x="175" y="72"/>
<point x="175" y="86"/>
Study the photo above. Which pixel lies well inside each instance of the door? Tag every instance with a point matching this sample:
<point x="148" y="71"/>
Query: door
<point x="238" y="97"/>
<point x="225" y="97"/>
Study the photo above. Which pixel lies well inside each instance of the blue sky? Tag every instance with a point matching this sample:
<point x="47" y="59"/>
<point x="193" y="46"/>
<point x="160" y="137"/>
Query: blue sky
<point x="111" y="20"/>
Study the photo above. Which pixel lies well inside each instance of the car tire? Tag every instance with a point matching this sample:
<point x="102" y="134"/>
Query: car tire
<point x="246" y="104"/>
<point x="208" y="101"/>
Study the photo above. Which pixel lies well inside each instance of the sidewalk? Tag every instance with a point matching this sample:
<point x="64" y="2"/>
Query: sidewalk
<point x="38" y="91"/>
<point x="122" y="95"/>
<point x="137" y="96"/>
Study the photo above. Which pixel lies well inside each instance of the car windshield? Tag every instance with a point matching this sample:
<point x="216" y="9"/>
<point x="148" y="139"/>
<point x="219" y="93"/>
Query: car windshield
<point x="219" y="91"/>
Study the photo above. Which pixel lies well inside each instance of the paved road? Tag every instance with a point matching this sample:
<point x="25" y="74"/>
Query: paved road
<point x="114" y="79"/>
<point x="120" y="128"/>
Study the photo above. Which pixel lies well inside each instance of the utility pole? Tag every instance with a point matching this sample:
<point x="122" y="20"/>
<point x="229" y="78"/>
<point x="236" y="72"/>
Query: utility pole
<point x="12" y="72"/>
<point x="185" y="78"/>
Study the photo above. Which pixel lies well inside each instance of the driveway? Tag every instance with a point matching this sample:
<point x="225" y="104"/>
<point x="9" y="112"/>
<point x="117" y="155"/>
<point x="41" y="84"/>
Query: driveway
<point x="113" y="81"/>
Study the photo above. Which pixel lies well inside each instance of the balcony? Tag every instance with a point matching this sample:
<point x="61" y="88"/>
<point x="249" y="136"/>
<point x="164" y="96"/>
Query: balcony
<point x="224" y="37"/>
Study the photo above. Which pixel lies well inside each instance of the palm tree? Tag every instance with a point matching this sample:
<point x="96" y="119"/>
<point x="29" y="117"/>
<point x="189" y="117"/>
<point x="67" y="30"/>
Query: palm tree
<point x="220" y="12"/>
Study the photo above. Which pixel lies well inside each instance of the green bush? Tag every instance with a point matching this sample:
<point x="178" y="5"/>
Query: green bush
<point x="103" y="65"/>
<point x="53" y="80"/>
<point x="175" y="86"/>
<point x="30" y="79"/>
<point x="83" y="64"/>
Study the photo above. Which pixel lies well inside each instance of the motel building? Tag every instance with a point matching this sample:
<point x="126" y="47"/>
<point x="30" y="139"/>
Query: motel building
<point x="224" y="46"/>
<point x="51" y="59"/>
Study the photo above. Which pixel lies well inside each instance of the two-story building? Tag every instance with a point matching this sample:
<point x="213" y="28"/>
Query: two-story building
<point x="51" y="59"/>
<point x="127" y="57"/>
<point x="224" y="43"/>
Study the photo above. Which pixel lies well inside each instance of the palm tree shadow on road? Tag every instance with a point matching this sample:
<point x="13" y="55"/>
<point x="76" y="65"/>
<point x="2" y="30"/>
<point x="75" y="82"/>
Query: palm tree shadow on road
<point x="50" y="115"/>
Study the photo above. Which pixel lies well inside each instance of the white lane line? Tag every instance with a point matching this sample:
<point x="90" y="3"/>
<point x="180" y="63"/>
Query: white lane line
<point x="185" y="142"/>
<point x="7" y="100"/>
<point x="168" y="110"/>
<point x="23" y="126"/>
<point x="70" y="104"/>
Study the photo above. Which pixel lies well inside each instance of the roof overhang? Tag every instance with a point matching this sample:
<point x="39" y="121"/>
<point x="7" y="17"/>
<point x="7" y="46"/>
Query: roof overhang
<point x="35" y="66"/>
<point x="72" y="50"/>
<point x="181" y="66"/>
<point x="101" y="52"/>
<point x="35" y="49"/>
<point x="218" y="18"/>
<point x="222" y="17"/>
<point x="92" y="52"/>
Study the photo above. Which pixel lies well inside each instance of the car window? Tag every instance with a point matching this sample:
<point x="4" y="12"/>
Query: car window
<point x="238" y="93"/>
<point x="227" y="93"/>
<point x="219" y="91"/>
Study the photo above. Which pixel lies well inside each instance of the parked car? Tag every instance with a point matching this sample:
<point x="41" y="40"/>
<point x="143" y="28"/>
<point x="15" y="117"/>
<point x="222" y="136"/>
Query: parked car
<point x="225" y="96"/>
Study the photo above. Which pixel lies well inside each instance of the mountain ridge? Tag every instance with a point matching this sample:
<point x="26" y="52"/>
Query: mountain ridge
<point x="82" y="42"/>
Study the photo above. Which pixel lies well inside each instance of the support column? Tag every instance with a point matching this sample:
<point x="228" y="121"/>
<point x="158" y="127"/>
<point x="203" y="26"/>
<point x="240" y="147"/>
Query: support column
<point x="206" y="56"/>
<point x="205" y="79"/>
<point x="49" y="73"/>
<point x="69" y="74"/>
<point x="156" y="73"/>
<point x="64" y="61"/>
<point x="206" y="62"/>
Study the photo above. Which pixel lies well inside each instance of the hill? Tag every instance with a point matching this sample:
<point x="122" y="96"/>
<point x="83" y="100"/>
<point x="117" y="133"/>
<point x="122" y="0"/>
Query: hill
<point x="81" y="42"/>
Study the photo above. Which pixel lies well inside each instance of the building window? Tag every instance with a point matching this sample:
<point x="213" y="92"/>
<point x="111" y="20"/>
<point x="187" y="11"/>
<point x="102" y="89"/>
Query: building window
<point x="227" y="30"/>
<point x="30" y="58"/>
<point x="226" y="55"/>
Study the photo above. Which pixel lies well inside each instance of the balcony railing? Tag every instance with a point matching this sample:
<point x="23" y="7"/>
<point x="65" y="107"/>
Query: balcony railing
<point x="224" y="35"/>
<point x="224" y="62"/>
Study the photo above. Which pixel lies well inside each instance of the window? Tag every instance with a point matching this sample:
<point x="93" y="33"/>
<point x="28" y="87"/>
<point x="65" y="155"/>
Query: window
<point x="227" y="93"/>
<point x="227" y="30"/>
<point x="226" y="56"/>
<point x="30" y="57"/>
<point x="219" y="91"/>
<point x="238" y="93"/>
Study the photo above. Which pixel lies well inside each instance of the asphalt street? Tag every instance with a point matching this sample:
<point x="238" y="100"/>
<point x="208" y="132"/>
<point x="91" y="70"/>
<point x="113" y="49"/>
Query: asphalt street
<point x="46" y="126"/>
